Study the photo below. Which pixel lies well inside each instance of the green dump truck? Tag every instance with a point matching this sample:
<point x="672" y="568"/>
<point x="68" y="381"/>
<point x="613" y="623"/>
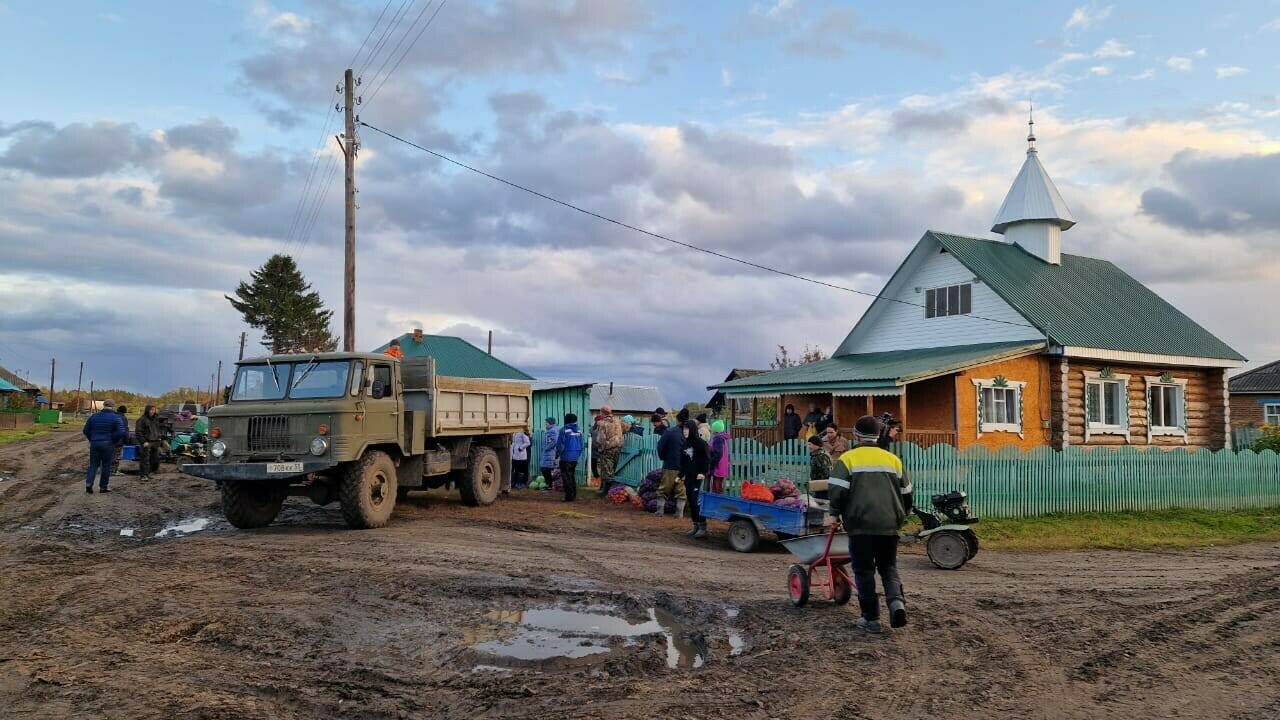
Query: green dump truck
<point x="359" y="429"/>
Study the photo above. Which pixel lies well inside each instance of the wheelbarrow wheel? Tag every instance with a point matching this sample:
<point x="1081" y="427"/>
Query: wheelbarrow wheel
<point x="798" y="585"/>
<point x="743" y="535"/>
<point x="947" y="549"/>
<point x="843" y="588"/>
<point x="971" y="539"/>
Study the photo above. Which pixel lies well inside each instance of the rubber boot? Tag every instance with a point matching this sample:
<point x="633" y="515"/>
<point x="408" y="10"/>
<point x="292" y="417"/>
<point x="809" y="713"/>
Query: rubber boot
<point x="680" y="508"/>
<point x="700" y="532"/>
<point x="662" y="507"/>
<point x="692" y="531"/>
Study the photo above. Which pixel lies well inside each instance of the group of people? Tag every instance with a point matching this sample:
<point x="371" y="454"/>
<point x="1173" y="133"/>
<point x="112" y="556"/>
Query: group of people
<point x="814" y="423"/>
<point x="108" y="432"/>
<point x="692" y="452"/>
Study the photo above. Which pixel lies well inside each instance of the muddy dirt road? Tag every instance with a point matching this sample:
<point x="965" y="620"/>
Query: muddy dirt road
<point x="534" y="608"/>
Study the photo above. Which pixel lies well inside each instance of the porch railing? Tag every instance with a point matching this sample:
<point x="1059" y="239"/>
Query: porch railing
<point x="929" y="438"/>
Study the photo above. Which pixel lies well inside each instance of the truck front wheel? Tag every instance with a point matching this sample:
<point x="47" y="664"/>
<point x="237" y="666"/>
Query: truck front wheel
<point x="483" y="478"/>
<point x="368" y="491"/>
<point x="250" y="505"/>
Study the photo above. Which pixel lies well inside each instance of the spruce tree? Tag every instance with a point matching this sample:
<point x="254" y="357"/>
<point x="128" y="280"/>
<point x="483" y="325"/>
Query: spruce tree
<point x="280" y="302"/>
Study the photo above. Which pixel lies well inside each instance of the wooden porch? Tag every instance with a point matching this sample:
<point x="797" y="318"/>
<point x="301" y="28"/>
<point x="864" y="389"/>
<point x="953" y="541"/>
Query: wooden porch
<point x="846" y="410"/>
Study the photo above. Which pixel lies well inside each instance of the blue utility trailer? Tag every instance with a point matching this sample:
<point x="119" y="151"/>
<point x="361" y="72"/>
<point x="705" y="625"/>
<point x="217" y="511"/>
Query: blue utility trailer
<point x="749" y="518"/>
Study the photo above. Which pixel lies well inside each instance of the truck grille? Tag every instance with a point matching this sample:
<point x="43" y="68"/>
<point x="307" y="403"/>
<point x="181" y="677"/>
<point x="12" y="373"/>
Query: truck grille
<point x="269" y="433"/>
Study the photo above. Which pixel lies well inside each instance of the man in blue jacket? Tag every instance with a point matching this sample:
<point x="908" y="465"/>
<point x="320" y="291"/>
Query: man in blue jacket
<point x="569" y="448"/>
<point x="104" y="430"/>
<point x="670" y="451"/>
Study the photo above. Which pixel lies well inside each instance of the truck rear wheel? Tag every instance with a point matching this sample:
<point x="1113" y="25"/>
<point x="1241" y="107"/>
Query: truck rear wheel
<point x="250" y="505"/>
<point x="368" y="491"/>
<point x="481" y="482"/>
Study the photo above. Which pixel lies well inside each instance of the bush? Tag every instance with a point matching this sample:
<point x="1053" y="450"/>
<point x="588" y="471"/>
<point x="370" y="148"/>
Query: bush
<point x="1270" y="439"/>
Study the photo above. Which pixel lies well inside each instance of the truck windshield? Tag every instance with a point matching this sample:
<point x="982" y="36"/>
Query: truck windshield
<point x="255" y="382"/>
<point x="298" y="381"/>
<point x="321" y="380"/>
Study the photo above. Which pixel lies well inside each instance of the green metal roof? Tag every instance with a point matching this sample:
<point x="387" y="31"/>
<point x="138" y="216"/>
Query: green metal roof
<point x="457" y="357"/>
<point x="1084" y="302"/>
<point x="876" y="370"/>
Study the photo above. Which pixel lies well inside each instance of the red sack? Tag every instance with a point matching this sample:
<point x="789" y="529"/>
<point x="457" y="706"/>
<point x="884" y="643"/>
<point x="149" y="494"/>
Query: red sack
<point x="754" y="491"/>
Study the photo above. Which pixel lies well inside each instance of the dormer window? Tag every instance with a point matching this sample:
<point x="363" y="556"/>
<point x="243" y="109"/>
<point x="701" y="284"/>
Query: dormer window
<point x="950" y="300"/>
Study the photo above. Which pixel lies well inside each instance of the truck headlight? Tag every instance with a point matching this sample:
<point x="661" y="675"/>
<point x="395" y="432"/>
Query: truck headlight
<point x="319" y="445"/>
<point x="218" y="449"/>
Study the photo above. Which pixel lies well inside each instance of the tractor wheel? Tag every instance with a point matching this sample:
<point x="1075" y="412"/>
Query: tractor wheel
<point x="250" y="505"/>
<point x="843" y="588"/>
<point x="367" y="491"/>
<point x="743" y="535"/>
<point x="971" y="539"/>
<point x="482" y="480"/>
<point x="798" y="585"/>
<point x="947" y="549"/>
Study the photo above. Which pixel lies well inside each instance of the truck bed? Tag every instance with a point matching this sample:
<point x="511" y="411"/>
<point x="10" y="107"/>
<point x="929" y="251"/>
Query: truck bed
<point x="453" y="406"/>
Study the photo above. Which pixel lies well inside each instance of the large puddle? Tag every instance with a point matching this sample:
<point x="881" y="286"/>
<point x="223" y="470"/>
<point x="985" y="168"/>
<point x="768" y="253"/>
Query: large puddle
<point x="592" y="634"/>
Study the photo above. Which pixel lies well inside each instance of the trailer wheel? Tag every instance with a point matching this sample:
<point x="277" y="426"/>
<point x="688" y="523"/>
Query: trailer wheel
<point x="480" y="484"/>
<point x="367" y="491"/>
<point x="843" y="588"/>
<point x="971" y="540"/>
<point x="743" y="535"/>
<point x="250" y="505"/>
<point x="798" y="585"/>
<point x="947" y="549"/>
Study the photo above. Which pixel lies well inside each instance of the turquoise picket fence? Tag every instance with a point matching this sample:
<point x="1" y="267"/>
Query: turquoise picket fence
<point x="1014" y="483"/>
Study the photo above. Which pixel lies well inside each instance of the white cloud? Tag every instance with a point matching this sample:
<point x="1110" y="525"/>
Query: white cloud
<point x="777" y="9"/>
<point x="1230" y="71"/>
<point x="1087" y="17"/>
<point x="1273" y="26"/>
<point x="1181" y="64"/>
<point x="1201" y="52"/>
<point x="111" y="18"/>
<point x="1101" y="70"/>
<point x="726" y="79"/>
<point x="1112" y="48"/>
<point x="1144" y="75"/>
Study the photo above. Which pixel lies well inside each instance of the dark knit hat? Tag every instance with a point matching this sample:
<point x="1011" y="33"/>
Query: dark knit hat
<point x="867" y="427"/>
<point x="815" y="441"/>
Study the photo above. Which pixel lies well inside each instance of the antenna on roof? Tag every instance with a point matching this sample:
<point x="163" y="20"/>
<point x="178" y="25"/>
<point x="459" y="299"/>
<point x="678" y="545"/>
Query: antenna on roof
<point x="1031" y="128"/>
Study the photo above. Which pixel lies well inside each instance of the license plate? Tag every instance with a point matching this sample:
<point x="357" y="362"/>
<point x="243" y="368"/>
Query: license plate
<point x="293" y="467"/>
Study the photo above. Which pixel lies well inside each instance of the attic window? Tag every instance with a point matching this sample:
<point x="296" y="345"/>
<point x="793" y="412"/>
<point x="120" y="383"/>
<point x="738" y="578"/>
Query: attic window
<point x="950" y="300"/>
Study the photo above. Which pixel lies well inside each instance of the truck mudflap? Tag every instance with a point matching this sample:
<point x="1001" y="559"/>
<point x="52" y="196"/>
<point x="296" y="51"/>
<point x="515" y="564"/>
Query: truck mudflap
<point x="257" y="471"/>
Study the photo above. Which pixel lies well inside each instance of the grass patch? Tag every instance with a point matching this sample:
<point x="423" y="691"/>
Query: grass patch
<point x="1177" y="528"/>
<point x="8" y="436"/>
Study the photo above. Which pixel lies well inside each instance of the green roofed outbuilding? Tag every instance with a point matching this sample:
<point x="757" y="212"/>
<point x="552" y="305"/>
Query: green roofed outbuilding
<point x="456" y="357"/>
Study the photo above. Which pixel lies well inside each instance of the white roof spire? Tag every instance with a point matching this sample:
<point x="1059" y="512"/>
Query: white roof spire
<point x="1033" y="198"/>
<point x="1031" y="128"/>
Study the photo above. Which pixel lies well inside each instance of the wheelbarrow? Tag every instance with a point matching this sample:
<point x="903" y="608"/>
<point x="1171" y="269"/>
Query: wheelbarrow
<point x="824" y="565"/>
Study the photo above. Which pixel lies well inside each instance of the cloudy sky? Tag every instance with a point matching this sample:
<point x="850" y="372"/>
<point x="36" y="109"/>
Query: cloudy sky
<point x="153" y="154"/>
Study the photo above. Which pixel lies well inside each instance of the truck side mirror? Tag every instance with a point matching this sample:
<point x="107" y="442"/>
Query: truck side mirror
<point x="378" y="390"/>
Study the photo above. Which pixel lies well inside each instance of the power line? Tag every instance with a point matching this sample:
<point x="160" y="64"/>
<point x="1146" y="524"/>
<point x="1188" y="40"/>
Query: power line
<point x="664" y="238"/>
<point x="406" y="50"/>
<point x="300" y="212"/>
<point x="386" y="32"/>
<point x="352" y="61"/>
<point x="319" y="203"/>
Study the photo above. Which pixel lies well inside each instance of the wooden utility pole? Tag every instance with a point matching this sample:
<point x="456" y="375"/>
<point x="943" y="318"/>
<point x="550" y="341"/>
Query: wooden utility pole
<point x="218" y="386"/>
<point x="53" y="366"/>
<point x="241" y="356"/>
<point x="350" y="146"/>
<point x="490" y="342"/>
<point x="79" y="386"/>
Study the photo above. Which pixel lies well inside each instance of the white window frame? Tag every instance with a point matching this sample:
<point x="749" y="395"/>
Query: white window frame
<point x="1179" y="430"/>
<point x="1094" y="377"/>
<point x="1271" y="416"/>
<point x="1017" y="386"/>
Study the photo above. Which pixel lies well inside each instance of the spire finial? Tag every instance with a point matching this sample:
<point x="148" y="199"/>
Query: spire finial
<point x="1031" y="128"/>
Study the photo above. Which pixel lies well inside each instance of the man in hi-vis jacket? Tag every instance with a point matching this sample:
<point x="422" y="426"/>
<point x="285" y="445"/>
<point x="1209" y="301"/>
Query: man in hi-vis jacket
<point x="872" y="495"/>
